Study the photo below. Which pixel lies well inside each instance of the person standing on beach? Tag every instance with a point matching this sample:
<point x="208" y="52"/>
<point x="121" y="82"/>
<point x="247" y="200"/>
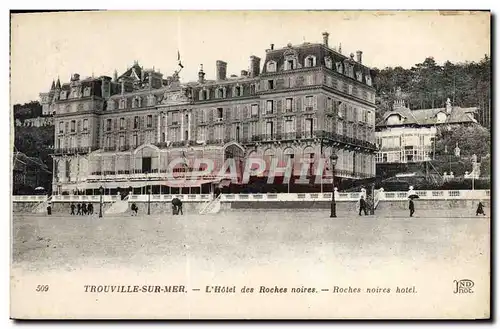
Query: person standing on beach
<point x="412" y="208"/>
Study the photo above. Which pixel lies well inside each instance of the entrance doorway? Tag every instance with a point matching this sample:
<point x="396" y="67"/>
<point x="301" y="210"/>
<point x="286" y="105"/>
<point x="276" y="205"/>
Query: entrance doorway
<point x="146" y="165"/>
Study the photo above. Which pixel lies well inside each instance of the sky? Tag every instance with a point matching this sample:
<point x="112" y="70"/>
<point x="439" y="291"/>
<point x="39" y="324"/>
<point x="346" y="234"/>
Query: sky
<point x="45" y="46"/>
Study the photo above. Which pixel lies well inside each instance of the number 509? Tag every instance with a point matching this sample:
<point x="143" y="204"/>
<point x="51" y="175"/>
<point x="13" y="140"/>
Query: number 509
<point x="42" y="288"/>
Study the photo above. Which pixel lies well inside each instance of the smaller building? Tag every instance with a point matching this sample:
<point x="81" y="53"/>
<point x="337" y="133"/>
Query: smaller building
<point x="407" y="136"/>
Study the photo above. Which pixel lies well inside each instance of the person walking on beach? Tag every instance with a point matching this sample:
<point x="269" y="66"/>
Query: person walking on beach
<point x="480" y="210"/>
<point x="362" y="205"/>
<point x="90" y="208"/>
<point x="84" y="208"/>
<point x="412" y="208"/>
<point x="78" y="209"/>
<point x="72" y="209"/>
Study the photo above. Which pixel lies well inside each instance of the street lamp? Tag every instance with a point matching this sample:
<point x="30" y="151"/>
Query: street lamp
<point x="149" y="195"/>
<point x="333" y="206"/>
<point x="101" y="190"/>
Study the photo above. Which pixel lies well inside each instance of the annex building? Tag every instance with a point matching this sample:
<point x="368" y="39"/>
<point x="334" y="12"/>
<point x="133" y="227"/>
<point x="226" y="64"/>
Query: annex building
<point x="300" y="102"/>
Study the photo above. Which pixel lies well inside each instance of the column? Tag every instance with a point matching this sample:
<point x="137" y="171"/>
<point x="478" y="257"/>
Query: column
<point x="189" y="125"/>
<point x="165" y="126"/>
<point x="182" y="125"/>
<point x="158" y="129"/>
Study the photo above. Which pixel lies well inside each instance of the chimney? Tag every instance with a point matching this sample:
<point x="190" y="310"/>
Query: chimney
<point x="221" y="68"/>
<point x="201" y="75"/>
<point x="272" y="46"/>
<point x="325" y="38"/>
<point x="115" y="76"/>
<point x="254" y="66"/>
<point x="359" y="56"/>
<point x="123" y="87"/>
<point x="244" y="73"/>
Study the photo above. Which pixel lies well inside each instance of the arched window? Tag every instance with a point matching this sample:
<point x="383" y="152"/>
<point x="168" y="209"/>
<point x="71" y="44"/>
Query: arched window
<point x="122" y="103"/>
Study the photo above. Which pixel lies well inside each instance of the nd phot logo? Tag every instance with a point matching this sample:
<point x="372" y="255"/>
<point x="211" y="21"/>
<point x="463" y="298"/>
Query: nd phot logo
<point x="463" y="286"/>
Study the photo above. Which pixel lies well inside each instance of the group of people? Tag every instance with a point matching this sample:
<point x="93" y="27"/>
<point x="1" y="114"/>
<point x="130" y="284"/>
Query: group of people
<point x="82" y="209"/>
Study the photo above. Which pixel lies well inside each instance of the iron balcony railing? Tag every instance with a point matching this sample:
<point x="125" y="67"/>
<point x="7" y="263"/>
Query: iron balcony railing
<point x="75" y="150"/>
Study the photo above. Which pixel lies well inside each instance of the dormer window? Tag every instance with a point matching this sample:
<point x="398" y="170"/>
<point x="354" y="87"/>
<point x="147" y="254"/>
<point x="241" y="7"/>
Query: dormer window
<point x="328" y="62"/>
<point x="220" y="92"/>
<point x="290" y="64"/>
<point x="394" y="119"/>
<point x="252" y="89"/>
<point x="203" y="94"/>
<point x="63" y="95"/>
<point x="136" y="102"/>
<point x="86" y="92"/>
<point x="271" y="66"/>
<point x="151" y="100"/>
<point x="238" y="91"/>
<point x="310" y="61"/>
<point x="122" y="104"/>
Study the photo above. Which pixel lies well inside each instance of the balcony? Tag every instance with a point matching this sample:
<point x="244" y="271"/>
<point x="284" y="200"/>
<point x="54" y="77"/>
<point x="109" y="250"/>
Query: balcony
<point x="74" y="150"/>
<point x="309" y="108"/>
<point x="109" y="148"/>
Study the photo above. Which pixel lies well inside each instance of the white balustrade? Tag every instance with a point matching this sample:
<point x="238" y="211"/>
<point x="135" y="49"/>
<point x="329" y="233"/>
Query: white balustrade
<point x="339" y="197"/>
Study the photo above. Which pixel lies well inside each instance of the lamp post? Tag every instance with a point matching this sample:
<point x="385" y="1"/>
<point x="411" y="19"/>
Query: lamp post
<point x="149" y="195"/>
<point x="333" y="206"/>
<point x="101" y="190"/>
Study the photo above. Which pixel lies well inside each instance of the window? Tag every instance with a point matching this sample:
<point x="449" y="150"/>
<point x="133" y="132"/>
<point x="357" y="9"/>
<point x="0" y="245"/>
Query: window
<point x="329" y="104"/>
<point x="289" y="102"/>
<point x="309" y="79"/>
<point x="238" y="91"/>
<point x="270" y="84"/>
<point x="150" y="121"/>
<point x="135" y="140"/>
<point x="269" y="107"/>
<point x="310" y="61"/>
<point x="238" y="134"/>
<point x="86" y="92"/>
<point x="220" y="113"/>
<point x="61" y="127"/>
<point x="136" y="103"/>
<point x="202" y="133"/>
<point x="73" y="126"/>
<point x="289" y="126"/>
<point x="175" y="117"/>
<point x="122" y="104"/>
<point x="309" y="127"/>
<point x="340" y="127"/>
<point x="290" y="64"/>
<point x="203" y="94"/>
<point x="255" y="110"/>
<point x="220" y="93"/>
<point x="328" y="62"/>
<point x="163" y="140"/>
<point x="218" y="132"/>
<point x="108" y="124"/>
<point x="122" y="141"/>
<point x="309" y="103"/>
<point x="122" y="123"/>
<point x="85" y="124"/>
<point x="271" y="66"/>
<point x="136" y="122"/>
<point x="269" y="129"/>
<point x="186" y="135"/>
<point x="252" y="89"/>
<point x="108" y="142"/>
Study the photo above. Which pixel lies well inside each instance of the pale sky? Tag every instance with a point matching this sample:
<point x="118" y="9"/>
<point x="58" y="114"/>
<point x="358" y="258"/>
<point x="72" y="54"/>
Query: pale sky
<point x="45" y="46"/>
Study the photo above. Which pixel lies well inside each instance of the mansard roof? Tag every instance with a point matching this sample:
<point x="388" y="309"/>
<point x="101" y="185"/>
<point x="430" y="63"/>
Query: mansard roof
<point x="320" y="51"/>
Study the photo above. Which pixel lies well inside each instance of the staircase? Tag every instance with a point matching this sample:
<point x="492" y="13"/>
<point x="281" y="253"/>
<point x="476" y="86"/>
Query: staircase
<point x="118" y="207"/>
<point x="211" y="207"/>
<point x="42" y="206"/>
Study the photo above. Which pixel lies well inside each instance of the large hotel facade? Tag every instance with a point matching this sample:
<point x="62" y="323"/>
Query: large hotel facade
<point x="302" y="102"/>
